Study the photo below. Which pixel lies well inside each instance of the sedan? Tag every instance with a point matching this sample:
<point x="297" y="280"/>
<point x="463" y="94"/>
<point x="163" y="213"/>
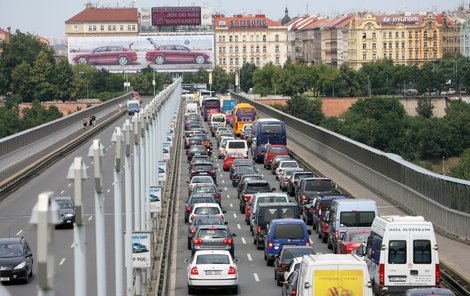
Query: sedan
<point x="203" y="220"/>
<point x="212" y="269"/>
<point x="106" y="55"/>
<point x="66" y="211"/>
<point x="16" y="260"/>
<point x="206" y="209"/>
<point x="209" y="189"/>
<point x="351" y="240"/>
<point x="240" y="171"/>
<point x="196" y="198"/>
<point x="198" y="179"/>
<point x="276" y="160"/>
<point x="175" y="54"/>
<point x="203" y="169"/>
<point x="213" y="237"/>
<point x="229" y="158"/>
<point x="196" y="150"/>
<point x="284" y="258"/>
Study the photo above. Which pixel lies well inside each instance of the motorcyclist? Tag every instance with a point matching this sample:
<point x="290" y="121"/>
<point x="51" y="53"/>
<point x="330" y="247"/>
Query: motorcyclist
<point x="208" y="145"/>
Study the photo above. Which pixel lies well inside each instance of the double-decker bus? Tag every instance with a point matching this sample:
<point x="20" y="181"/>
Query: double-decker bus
<point x="243" y="113"/>
<point x="266" y="131"/>
<point x="211" y="103"/>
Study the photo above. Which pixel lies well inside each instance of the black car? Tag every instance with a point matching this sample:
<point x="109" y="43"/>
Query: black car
<point x="16" y="260"/>
<point x="203" y="169"/>
<point x="213" y="237"/>
<point x="196" y="150"/>
<point x="240" y="161"/>
<point x="295" y="180"/>
<point x="251" y="187"/>
<point x="200" y="220"/>
<point x="313" y="187"/>
<point x="194" y="141"/>
<point x="66" y="211"/>
<point x="196" y="198"/>
<point x="211" y="189"/>
<point x="247" y="177"/>
<point x="239" y="171"/>
<point x="201" y="159"/>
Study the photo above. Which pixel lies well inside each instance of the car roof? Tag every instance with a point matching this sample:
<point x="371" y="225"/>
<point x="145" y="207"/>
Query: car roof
<point x="251" y="175"/>
<point x="273" y="194"/>
<point x="218" y="226"/>
<point x="201" y="194"/>
<point x="207" y="204"/>
<point x="210" y="252"/>
<point x="277" y="204"/>
<point x="287" y="221"/>
<point x="62" y="198"/>
<point x="259" y="182"/>
<point x="4" y="240"/>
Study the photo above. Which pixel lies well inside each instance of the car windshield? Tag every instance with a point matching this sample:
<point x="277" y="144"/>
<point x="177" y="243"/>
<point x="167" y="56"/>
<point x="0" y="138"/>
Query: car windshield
<point x="8" y="250"/>
<point x="64" y="204"/>
<point x="203" y="167"/>
<point x="243" y="169"/>
<point x="277" y="149"/>
<point x="213" y="259"/>
<point x="303" y="176"/>
<point x="197" y="149"/>
<point x="289" y="164"/>
<point x="205" y="220"/>
<point x="200" y="199"/>
<point x="319" y="185"/>
<point x="258" y="187"/>
<point x="205" y="189"/>
<point x="213" y="233"/>
<point x="207" y="210"/>
<point x="289" y="231"/>
<point x="358" y="237"/>
<point x="267" y="199"/>
<point x="201" y="180"/>
<point x="297" y="252"/>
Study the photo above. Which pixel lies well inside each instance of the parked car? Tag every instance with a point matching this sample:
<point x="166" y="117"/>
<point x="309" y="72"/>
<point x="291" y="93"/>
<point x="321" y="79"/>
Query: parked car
<point x="107" y="55"/>
<point x="273" y="151"/>
<point x="213" y="237"/>
<point x="202" y="220"/>
<point x="212" y="269"/>
<point x="176" y="54"/>
<point x="196" y="198"/>
<point x="16" y="260"/>
<point x="66" y="211"/>
<point x="288" y="253"/>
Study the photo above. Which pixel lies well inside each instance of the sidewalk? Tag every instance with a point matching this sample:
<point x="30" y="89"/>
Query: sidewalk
<point x="452" y="253"/>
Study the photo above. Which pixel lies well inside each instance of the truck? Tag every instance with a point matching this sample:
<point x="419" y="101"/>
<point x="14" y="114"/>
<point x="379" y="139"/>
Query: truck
<point x="133" y="106"/>
<point x="332" y="275"/>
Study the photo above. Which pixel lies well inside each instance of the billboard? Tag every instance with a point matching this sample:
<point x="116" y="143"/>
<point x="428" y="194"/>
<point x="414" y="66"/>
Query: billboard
<point x="155" y="193"/>
<point x="162" y="171"/>
<point x="176" y="16"/>
<point x="166" y="150"/>
<point x="338" y="282"/>
<point x="141" y="246"/>
<point x="176" y="53"/>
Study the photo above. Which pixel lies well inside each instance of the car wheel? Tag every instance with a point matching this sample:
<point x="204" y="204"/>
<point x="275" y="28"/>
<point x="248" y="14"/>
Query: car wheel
<point x="275" y="274"/>
<point x="82" y="60"/>
<point x="235" y="290"/>
<point x="189" y="244"/>
<point x="259" y="246"/>
<point x="123" y="61"/>
<point x="200" y="59"/>
<point x="159" y="60"/>
<point x="191" y="290"/>
<point x="270" y="262"/>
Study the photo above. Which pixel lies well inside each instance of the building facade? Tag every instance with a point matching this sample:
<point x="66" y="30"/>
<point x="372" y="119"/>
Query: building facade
<point x="93" y="21"/>
<point x="407" y="39"/>
<point x="450" y="36"/>
<point x="334" y="41"/>
<point x="465" y="37"/>
<point x="249" y="39"/>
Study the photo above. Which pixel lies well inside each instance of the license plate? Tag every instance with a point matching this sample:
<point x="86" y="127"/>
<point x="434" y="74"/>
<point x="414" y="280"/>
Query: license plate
<point x="213" y="272"/>
<point x="397" y="278"/>
<point x="202" y="173"/>
<point x="4" y="279"/>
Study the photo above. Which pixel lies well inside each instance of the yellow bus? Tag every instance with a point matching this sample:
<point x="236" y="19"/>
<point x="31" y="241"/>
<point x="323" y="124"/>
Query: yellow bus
<point x="243" y="113"/>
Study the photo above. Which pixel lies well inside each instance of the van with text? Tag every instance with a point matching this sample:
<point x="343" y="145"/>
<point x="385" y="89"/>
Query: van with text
<point x="402" y="253"/>
<point x="265" y="132"/>
<point x="243" y="113"/>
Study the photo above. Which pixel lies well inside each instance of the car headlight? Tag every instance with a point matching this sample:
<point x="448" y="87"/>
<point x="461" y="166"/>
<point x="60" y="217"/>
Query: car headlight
<point x="68" y="215"/>
<point x="21" y="265"/>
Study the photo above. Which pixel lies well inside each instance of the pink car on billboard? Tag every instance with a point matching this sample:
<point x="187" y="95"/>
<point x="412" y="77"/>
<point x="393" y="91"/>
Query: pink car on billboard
<point x="175" y="54"/>
<point x="107" y="55"/>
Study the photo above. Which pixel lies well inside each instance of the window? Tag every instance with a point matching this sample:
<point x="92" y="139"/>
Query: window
<point x="102" y="28"/>
<point x="364" y="56"/>
<point x="389" y="34"/>
<point x="410" y="35"/>
<point x="90" y="28"/>
<point x="416" y="34"/>
<point x="244" y="60"/>
<point x="121" y="28"/>
<point x="220" y="49"/>
<point x="252" y="48"/>
<point x="75" y="28"/>
<point x="435" y="56"/>
<point x="225" y="61"/>
<point x="421" y="252"/>
<point x="264" y="38"/>
<point x="114" y="27"/>
<point x="236" y="49"/>
<point x="390" y="56"/>
<point x="364" y="35"/>
<point x="276" y="48"/>
<point x="402" y="34"/>
<point x="291" y="231"/>
<point x="220" y="61"/>
<point x="252" y="60"/>
<point x="396" y="56"/>
<point x="223" y="38"/>
<point x="231" y="61"/>
<point x="236" y="61"/>
<point x="230" y="38"/>
<point x="236" y="38"/>
<point x="363" y="46"/>
<point x="396" y="44"/>
<point x="276" y="38"/>
<point x="385" y="35"/>
<point x="434" y="44"/>
<point x="374" y="56"/>
<point x="244" y="48"/>
<point x="396" y="34"/>
<point x="369" y="27"/>
<point x="374" y="247"/>
<point x="425" y="45"/>
<point x="425" y="35"/>
<point x="425" y="55"/>
<point x="220" y="38"/>
<point x="230" y="50"/>
<point x="264" y="48"/>
<point x="277" y="60"/>
<point x="403" y="44"/>
<point x="257" y="48"/>
<point x="397" y="252"/>
<point x="390" y="45"/>
<point x="374" y="35"/>
<point x="257" y="61"/>
<point x="402" y="55"/>
<point x="129" y="27"/>
<point x="374" y="46"/>
<point x="251" y="37"/>
<point x="244" y="38"/>
<point x="434" y="34"/>
<point x="416" y="55"/>
<point x="385" y="45"/>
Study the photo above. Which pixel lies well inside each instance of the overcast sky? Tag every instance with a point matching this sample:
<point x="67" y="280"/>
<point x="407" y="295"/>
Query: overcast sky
<point x="47" y="17"/>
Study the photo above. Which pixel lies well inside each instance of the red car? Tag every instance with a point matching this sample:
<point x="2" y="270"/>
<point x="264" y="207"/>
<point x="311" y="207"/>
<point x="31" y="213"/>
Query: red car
<point x="175" y="54"/>
<point x="271" y="152"/>
<point x="248" y="209"/>
<point x="351" y="240"/>
<point x="107" y="55"/>
<point x="229" y="158"/>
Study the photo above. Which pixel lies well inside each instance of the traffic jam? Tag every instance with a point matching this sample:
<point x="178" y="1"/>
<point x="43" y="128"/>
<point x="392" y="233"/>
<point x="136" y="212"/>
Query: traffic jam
<point x="316" y="239"/>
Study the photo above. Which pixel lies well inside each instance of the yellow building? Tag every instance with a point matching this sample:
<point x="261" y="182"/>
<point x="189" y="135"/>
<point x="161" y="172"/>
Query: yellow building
<point x="94" y="21"/>
<point x="249" y="39"/>
<point x="407" y="39"/>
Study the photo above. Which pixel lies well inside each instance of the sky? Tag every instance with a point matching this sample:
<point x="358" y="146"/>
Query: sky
<point x="47" y="17"/>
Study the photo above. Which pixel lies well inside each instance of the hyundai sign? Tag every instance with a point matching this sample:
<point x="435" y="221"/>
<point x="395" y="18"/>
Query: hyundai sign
<point x="176" y="16"/>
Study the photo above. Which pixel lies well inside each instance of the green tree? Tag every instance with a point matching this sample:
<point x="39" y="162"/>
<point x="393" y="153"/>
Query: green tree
<point x="347" y="84"/>
<point x="457" y="123"/>
<point x="141" y="83"/>
<point x="9" y="121"/>
<point x="21" y="81"/>
<point x="37" y="115"/>
<point x="43" y="75"/>
<point x="221" y="81"/>
<point x="265" y="79"/>
<point x="308" y="109"/>
<point x="64" y="81"/>
<point x="462" y="170"/>
<point x="246" y="76"/>
<point x="425" y="107"/>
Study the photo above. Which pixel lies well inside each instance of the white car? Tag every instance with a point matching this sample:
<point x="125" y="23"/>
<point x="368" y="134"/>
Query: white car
<point x="293" y="265"/>
<point x="246" y="127"/>
<point x="206" y="209"/>
<point x="285" y="164"/>
<point x="212" y="269"/>
<point x="198" y="179"/>
<point x="221" y="130"/>
<point x="223" y="144"/>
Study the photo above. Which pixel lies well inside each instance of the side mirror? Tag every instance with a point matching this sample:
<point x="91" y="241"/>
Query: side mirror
<point x="273" y="189"/>
<point x="226" y="223"/>
<point x="309" y="231"/>
<point x="187" y="260"/>
<point x="236" y="260"/>
<point x="224" y="211"/>
<point x="234" y="234"/>
<point x="187" y="182"/>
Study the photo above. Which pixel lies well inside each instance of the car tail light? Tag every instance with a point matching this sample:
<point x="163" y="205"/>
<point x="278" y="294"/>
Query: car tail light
<point x="241" y="186"/>
<point x="217" y="196"/>
<point x="270" y="245"/>
<point x="280" y="171"/>
<point x="197" y="241"/>
<point x="188" y="209"/>
<point x="246" y="197"/>
<point x="191" y="217"/>
<point x="232" y="270"/>
<point x="194" y="271"/>
<point x="187" y="153"/>
<point x="294" y="292"/>
<point x="205" y="152"/>
<point x="319" y="211"/>
<point x="303" y="197"/>
<point x="211" y="173"/>
<point x="193" y="230"/>
<point x="325" y="228"/>
<point x="228" y="241"/>
<point x="307" y="243"/>
<point x="381" y="274"/>
<point x="438" y="274"/>
<point x="258" y="230"/>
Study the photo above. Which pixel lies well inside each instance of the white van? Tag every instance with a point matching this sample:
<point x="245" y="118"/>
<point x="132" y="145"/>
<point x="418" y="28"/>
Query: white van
<point x="330" y="275"/>
<point x="349" y="213"/>
<point x="191" y="108"/>
<point x="401" y="253"/>
<point x="237" y="146"/>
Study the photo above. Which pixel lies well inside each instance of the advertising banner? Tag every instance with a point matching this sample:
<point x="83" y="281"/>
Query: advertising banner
<point x="155" y="193"/>
<point x="176" y="53"/>
<point x="176" y="16"/>
<point x="338" y="282"/>
<point x="166" y="150"/>
<point x="169" y="138"/>
<point x="162" y="171"/>
<point x="141" y="250"/>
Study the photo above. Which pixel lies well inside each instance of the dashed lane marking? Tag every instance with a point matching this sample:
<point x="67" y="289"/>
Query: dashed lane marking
<point x="243" y="241"/>
<point x="228" y="196"/>
<point x="91" y="217"/>
<point x="234" y="215"/>
<point x="62" y="261"/>
<point x="249" y="257"/>
<point x="225" y="188"/>
<point x="19" y="232"/>
<point x="223" y="181"/>
<point x="62" y="191"/>
<point x="108" y="191"/>
<point x="255" y="275"/>
<point x="239" y="226"/>
<point x="231" y="205"/>
<point x="70" y="184"/>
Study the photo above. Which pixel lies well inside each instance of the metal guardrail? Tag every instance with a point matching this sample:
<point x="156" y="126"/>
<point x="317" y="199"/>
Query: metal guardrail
<point x="412" y="188"/>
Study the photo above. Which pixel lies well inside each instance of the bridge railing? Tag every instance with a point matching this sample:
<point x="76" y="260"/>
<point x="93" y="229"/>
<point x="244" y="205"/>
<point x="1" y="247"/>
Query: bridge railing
<point x="443" y="200"/>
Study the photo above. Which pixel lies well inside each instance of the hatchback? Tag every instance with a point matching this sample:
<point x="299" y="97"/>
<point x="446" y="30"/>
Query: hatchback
<point x="196" y="198"/>
<point x="66" y="211"/>
<point x="209" y="189"/>
<point x="198" y="179"/>
<point x="239" y="171"/>
<point x="203" y="169"/>
<point x="285" y="164"/>
<point x="202" y="220"/>
<point x="213" y="237"/>
<point x="229" y="158"/>
<point x="286" y="256"/>
<point x="16" y="260"/>
<point x="206" y="209"/>
<point x="196" y="150"/>
<point x="276" y="160"/>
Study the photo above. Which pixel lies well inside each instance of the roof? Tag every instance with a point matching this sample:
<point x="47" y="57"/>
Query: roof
<point x="245" y="22"/>
<point x="339" y="21"/>
<point x="316" y="24"/>
<point x="106" y="15"/>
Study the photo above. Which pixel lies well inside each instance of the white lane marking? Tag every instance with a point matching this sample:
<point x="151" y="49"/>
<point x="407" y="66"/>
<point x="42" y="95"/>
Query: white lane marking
<point x="62" y="261"/>
<point x="225" y="188"/>
<point x="112" y="184"/>
<point x="108" y="191"/>
<point x="62" y="191"/>
<point x="249" y="257"/>
<point x="91" y="162"/>
<point x="262" y="175"/>
<point x="223" y="181"/>
<point x="228" y="196"/>
<point x="221" y="175"/>
<point x="72" y="245"/>
<point x="231" y="205"/>
<point x="219" y="171"/>
<point x="234" y="215"/>
<point x="91" y="217"/>
<point x="238" y="226"/>
<point x="70" y="184"/>
<point x="243" y="241"/>
<point x="19" y="232"/>
<point x="255" y="275"/>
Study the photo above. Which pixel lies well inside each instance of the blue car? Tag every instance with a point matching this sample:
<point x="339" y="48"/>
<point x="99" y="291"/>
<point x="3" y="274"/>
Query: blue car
<point x="283" y="232"/>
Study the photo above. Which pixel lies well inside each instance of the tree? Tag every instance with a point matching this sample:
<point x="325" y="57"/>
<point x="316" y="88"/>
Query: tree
<point x="346" y="83"/>
<point x="64" y="81"/>
<point x="9" y="121"/>
<point x="246" y="76"/>
<point x="265" y="79"/>
<point x="425" y="107"/>
<point x="21" y="81"/>
<point x="309" y="109"/>
<point x="462" y="170"/>
<point x="42" y="78"/>
<point x="37" y="115"/>
<point x="457" y="123"/>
